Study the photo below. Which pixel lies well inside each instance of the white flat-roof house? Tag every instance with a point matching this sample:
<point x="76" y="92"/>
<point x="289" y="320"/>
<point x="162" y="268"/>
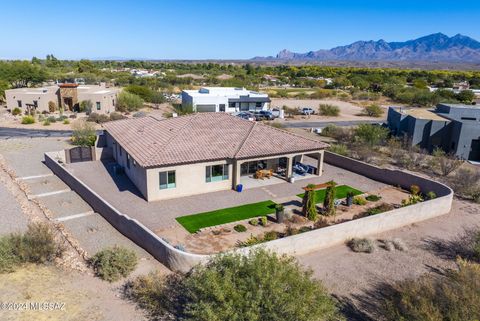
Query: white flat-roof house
<point x="225" y="99"/>
<point x="204" y="152"/>
<point x="67" y="95"/>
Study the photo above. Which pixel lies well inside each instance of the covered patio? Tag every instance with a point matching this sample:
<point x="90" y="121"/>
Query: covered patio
<point x="258" y="172"/>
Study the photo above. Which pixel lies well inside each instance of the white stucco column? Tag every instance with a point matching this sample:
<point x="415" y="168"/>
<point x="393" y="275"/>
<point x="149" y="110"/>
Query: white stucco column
<point x="320" y="163"/>
<point x="236" y="174"/>
<point x="288" y="172"/>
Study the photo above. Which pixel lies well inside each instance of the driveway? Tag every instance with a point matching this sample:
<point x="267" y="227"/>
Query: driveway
<point x="321" y="124"/>
<point x="6" y="133"/>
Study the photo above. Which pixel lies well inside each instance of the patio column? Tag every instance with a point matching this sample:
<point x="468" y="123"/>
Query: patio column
<point x="288" y="172"/>
<point x="236" y="174"/>
<point x="320" y="163"/>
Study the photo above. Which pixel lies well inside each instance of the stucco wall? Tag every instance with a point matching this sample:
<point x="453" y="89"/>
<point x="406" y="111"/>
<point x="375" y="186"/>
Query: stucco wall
<point x="297" y="244"/>
<point x="190" y="180"/>
<point x="28" y="95"/>
<point x="171" y="257"/>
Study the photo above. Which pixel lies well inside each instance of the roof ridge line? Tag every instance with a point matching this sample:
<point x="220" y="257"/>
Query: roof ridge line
<point x="293" y="134"/>
<point x="245" y="139"/>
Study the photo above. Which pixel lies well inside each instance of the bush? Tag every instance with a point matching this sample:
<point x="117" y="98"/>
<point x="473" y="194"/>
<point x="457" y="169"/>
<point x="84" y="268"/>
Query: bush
<point x="253" y="221"/>
<point x="84" y="133"/>
<point x="361" y="245"/>
<point x="371" y="134"/>
<point x="116" y="116"/>
<point x="46" y="122"/>
<point x="36" y="245"/>
<point x="329" y="110"/>
<point x="16" y="111"/>
<point x="66" y="122"/>
<point x="114" y="263"/>
<point x="373" y="198"/>
<point x="128" y="102"/>
<point x="359" y="200"/>
<point x="340" y="149"/>
<point x="52" y="119"/>
<point x="373" y="110"/>
<point x="52" y="107"/>
<point x="240" y="228"/>
<point x="85" y="106"/>
<point x="236" y="287"/>
<point x="98" y="118"/>
<point x="263" y="221"/>
<point x="431" y="195"/>
<point x="399" y="244"/>
<point x="384" y="207"/>
<point x="453" y="296"/>
<point x="270" y="236"/>
<point x="27" y="120"/>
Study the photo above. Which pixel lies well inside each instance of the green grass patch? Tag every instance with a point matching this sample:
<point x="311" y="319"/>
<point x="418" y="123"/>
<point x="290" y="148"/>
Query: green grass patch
<point x="195" y="222"/>
<point x="341" y="192"/>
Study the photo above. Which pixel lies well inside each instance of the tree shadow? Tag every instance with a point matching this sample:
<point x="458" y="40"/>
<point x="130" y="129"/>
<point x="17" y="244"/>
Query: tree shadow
<point x="460" y="246"/>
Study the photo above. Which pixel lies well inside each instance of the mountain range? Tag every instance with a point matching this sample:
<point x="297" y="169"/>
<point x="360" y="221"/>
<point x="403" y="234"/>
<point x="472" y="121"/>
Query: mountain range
<point x="434" y="47"/>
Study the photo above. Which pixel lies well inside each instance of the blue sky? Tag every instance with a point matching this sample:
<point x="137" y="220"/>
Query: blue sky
<point x="219" y="29"/>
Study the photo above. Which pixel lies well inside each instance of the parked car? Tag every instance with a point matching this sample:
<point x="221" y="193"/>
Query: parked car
<point x="245" y="115"/>
<point x="307" y="111"/>
<point x="276" y="112"/>
<point x="264" y="115"/>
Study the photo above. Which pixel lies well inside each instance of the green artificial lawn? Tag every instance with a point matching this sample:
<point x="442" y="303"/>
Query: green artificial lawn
<point x="341" y="192"/>
<point x="193" y="223"/>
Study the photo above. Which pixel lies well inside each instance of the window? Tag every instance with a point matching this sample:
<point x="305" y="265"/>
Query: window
<point x="231" y="105"/>
<point x="113" y="102"/>
<point x="35" y="104"/>
<point x="128" y="161"/>
<point x="216" y="173"/>
<point x="468" y="118"/>
<point x="258" y="105"/>
<point x="99" y="106"/>
<point x="222" y="107"/>
<point x="19" y="103"/>
<point x="167" y="179"/>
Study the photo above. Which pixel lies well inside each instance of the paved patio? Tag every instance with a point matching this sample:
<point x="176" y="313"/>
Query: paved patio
<point x="160" y="215"/>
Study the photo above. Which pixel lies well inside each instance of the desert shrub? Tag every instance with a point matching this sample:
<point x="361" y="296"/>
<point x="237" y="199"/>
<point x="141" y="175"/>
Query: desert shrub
<point x="252" y="240"/>
<point x="411" y="158"/>
<point x="453" y="296"/>
<point x="322" y="93"/>
<point x="373" y="110"/>
<point x="290" y="230"/>
<point x="399" y="244"/>
<point x="340" y="149"/>
<point x="38" y="245"/>
<point x="84" y="133"/>
<point x="27" y="120"/>
<point x="111" y="264"/>
<point x="304" y="229"/>
<point x="373" y="198"/>
<point x="128" y="102"/>
<point x="46" y="122"/>
<point x="371" y="134"/>
<point x="263" y="221"/>
<point x="52" y="106"/>
<point x="361" y="245"/>
<point x="270" y="236"/>
<point x="359" y="200"/>
<point x="85" y="106"/>
<point x="184" y="109"/>
<point x="116" y="116"/>
<point x="328" y="110"/>
<point x="466" y="183"/>
<point x="388" y="245"/>
<point x="253" y="221"/>
<point x="240" y="228"/>
<point x="236" y="287"/>
<point x="16" y="111"/>
<point x="8" y="259"/>
<point x="445" y="163"/>
<point x="341" y="134"/>
<point x="415" y="189"/>
<point x="431" y="195"/>
<point x="412" y="199"/>
<point x="52" y="119"/>
<point x="98" y="118"/>
<point x="66" y="122"/>
<point x="384" y="207"/>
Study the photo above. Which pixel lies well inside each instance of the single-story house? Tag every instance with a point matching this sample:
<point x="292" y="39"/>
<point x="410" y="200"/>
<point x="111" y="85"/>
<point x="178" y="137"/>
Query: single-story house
<point x="67" y="95"/>
<point x="225" y="99"/>
<point x="204" y="152"/>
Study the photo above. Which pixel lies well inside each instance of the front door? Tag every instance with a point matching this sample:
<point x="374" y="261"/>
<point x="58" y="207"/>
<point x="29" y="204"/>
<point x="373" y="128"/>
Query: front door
<point x="474" y="150"/>
<point x="68" y="103"/>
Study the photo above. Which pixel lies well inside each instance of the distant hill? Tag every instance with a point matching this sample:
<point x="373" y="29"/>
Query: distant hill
<point x="434" y="47"/>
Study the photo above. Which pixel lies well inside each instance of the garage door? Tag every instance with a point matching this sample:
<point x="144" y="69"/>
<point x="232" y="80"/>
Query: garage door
<point x="206" y="108"/>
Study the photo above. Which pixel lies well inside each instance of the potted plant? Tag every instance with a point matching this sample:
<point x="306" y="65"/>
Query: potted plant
<point x="279" y="213"/>
<point x="350" y="196"/>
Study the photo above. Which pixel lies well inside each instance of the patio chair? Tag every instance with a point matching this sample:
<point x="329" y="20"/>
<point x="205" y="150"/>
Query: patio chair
<point x="299" y="169"/>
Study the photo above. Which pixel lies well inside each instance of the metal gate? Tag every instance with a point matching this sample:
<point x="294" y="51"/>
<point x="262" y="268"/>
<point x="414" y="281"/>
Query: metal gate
<point x="80" y="154"/>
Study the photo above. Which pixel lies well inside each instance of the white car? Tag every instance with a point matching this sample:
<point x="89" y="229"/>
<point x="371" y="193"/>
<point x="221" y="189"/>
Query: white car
<point x="307" y="111"/>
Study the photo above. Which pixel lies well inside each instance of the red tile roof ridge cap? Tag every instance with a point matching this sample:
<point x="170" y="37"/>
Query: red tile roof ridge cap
<point x="244" y="140"/>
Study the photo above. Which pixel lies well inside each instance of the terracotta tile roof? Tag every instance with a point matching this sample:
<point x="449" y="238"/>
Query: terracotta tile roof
<point x="200" y="137"/>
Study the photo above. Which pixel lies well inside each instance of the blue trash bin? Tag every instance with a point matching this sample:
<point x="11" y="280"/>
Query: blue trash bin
<point x="239" y="188"/>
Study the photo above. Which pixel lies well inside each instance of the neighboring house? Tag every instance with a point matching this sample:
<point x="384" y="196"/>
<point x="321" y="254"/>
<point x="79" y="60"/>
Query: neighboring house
<point x="203" y="152"/>
<point x="225" y="99"/>
<point x="454" y="128"/>
<point x="67" y="95"/>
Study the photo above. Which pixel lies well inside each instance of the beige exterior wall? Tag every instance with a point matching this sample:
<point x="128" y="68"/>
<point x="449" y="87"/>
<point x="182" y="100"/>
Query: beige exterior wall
<point x="190" y="180"/>
<point x="107" y="101"/>
<point x="29" y="95"/>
